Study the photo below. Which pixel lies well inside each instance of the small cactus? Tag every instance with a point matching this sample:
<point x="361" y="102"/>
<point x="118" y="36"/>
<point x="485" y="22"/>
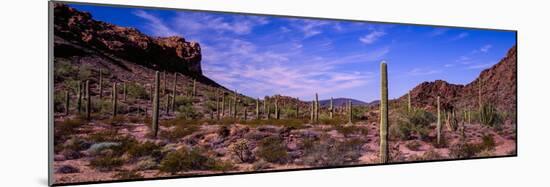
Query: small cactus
<point x="115" y="93"/>
<point x="276" y="108"/>
<point x="156" y="103"/>
<point x="88" y="100"/>
<point x="384" y="113"/>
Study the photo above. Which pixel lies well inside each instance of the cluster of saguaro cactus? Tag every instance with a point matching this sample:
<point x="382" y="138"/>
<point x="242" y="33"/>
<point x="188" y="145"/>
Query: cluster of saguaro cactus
<point x="383" y="113"/>
<point x="438" y="126"/>
<point x="451" y="120"/>
<point x="156" y="103"/>
<point x="88" y="100"/>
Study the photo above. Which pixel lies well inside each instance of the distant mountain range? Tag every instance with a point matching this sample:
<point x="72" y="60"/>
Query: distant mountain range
<point x="343" y="101"/>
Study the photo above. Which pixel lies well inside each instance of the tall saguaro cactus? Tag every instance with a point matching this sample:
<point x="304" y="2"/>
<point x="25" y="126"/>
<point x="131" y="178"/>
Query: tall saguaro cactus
<point x="115" y="93"/>
<point x="268" y="115"/>
<point x="331" y="108"/>
<point x="311" y="115"/>
<point x="438" y="127"/>
<point x="156" y="103"/>
<point x="174" y="91"/>
<point x="350" y="107"/>
<point x="257" y="108"/>
<point x="384" y="112"/>
<point x="223" y="104"/>
<point x="67" y="99"/>
<point x="235" y="104"/>
<point x="88" y="100"/>
<point x="79" y="99"/>
<point x="409" y="107"/>
<point x="100" y="83"/>
<point x="276" y="108"/>
<point x="316" y="107"/>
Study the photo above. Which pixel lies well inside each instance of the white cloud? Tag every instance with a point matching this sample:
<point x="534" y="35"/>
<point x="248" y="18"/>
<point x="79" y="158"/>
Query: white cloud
<point x="155" y="24"/>
<point x="423" y="71"/>
<point x="438" y="31"/>
<point x="485" y="48"/>
<point x="371" y="37"/>
<point x="479" y="66"/>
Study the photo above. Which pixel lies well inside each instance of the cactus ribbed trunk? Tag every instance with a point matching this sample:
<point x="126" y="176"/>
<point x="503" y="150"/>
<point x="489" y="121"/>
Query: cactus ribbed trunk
<point x="194" y="88"/>
<point x="350" y="108"/>
<point x="100" y="84"/>
<point x="124" y="91"/>
<point x="409" y="107"/>
<point x="316" y="107"/>
<point x="312" y="111"/>
<point x="114" y="99"/>
<point x="223" y="104"/>
<point x="331" y="108"/>
<point x="155" y="113"/>
<point x="79" y="95"/>
<point x="235" y="104"/>
<point x="257" y="108"/>
<point x="383" y="113"/>
<point x="268" y="112"/>
<point x="265" y="106"/>
<point x="88" y="100"/>
<point x="174" y="92"/>
<point x="163" y="89"/>
<point x="151" y="93"/>
<point x="438" y="126"/>
<point x="276" y="108"/>
<point x="67" y="100"/>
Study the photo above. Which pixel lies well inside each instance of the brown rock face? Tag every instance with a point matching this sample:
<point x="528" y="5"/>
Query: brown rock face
<point x="498" y="86"/>
<point x="162" y="53"/>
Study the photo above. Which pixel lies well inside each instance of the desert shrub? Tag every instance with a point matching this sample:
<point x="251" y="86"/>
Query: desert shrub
<point x="291" y="123"/>
<point x="241" y="151"/>
<point x="63" y="69"/>
<point x="103" y="136"/>
<point x="218" y="165"/>
<point x="59" y="101"/>
<point x="84" y="72"/>
<point x="359" y="112"/>
<point x="489" y="116"/>
<point x="179" y="131"/>
<point x="428" y="155"/>
<point x="136" y="91"/>
<point x="128" y="174"/>
<point x="64" y="129"/>
<point x="76" y="144"/>
<point x="468" y="150"/>
<point x="145" y="149"/>
<point x="347" y="130"/>
<point x="260" y="165"/>
<point x="187" y="112"/>
<point x="185" y="160"/>
<point x="335" y="121"/>
<point x="330" y="152"/>
<point x="97" y="148"/>
<point x="413" y="145"/>
<point x="272" y="149"/>
<point x="117" y="120"/>
<point x="106" y="162"/>
<point x="413" y="124"/>
<point x="223" y="131"/>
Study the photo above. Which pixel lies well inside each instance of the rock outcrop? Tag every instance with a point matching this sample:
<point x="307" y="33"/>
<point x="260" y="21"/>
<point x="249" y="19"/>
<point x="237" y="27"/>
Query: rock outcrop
<point x="173" y="54"/>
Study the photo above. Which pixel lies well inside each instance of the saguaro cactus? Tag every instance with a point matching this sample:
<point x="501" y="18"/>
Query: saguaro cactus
<point x="223" y="104"/>
<point x="79" y="95"/>
<point x="438" y="126"/>
<point x="235" y="104"/>
<point x="257" y="108"/>
<point x="156" y="103"/>
<point x="350" y="107"/>
<point x="164" y="83"/>
<point x="268" y="112"/>
<point x="316" y="107"/>
<point x="331" y="108"/>
<point x="88" y="100"/>
<point x="67" y="99"/>
<point x="383" y="113"/>
<point x="174" y="91"/>
<point x="245" y="115"/>
<point x="100" y="84"/>
<point x="409" y="107"/>
<point x="265" y="105"/>
<point x="276" y="108"/>
<point x="194" y="88"/>
<point x="124" y="93"/>
<point x="167" y="105"/>
<point x="312" y="111"/>
<point x="115" y="93"/>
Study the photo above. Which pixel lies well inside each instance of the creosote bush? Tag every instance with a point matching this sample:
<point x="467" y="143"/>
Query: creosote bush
<point x="186" y="160"/>
<point x="468" y="150"/>
<point x="413" y="124"/>
<point x="272" y="149"/>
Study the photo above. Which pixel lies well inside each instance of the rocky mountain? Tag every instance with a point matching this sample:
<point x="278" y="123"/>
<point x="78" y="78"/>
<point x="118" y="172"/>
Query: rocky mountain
<point x="75" y="30"/>
<point x="497" y="85"/>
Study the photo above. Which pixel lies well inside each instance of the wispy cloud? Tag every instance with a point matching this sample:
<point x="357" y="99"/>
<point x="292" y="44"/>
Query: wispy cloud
<point x="460" y="36"/>
<point x="371" y="37"/>
<point x="155" y="24"/>
<point x="423" y="71"/>
<point x="480" y="66"/>
<point x="485" y="48"/>
<point x="438" y="32"/>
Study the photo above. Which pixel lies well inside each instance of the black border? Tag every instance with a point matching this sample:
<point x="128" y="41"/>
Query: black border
<point x="50" y="95"/>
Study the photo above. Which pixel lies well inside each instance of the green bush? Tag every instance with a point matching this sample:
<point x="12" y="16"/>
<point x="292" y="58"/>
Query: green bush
<point x="145" y="149"/>
<point x="106" y="163"/>
<point x="272" y="149"/>
<point x="413" y="145"/>
<point x="136" y="91"/>
<point x="64" y="129"/>
<point x="413" y="124"/>
<point x="126" y="175"/>
<point x="468" y="150"/>
<point x="347" y="130"/>
<point x="241" y="151"/>
<point x="489" y="116"/>
<point x="184" y="160"/>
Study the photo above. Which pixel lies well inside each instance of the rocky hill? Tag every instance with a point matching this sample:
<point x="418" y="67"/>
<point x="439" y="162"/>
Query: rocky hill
<point x="497" y="85"/>
<point x="77" y="33"/>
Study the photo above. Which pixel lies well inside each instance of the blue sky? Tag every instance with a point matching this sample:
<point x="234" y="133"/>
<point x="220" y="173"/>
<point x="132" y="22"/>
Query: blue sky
<point x="265" y="55"/>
